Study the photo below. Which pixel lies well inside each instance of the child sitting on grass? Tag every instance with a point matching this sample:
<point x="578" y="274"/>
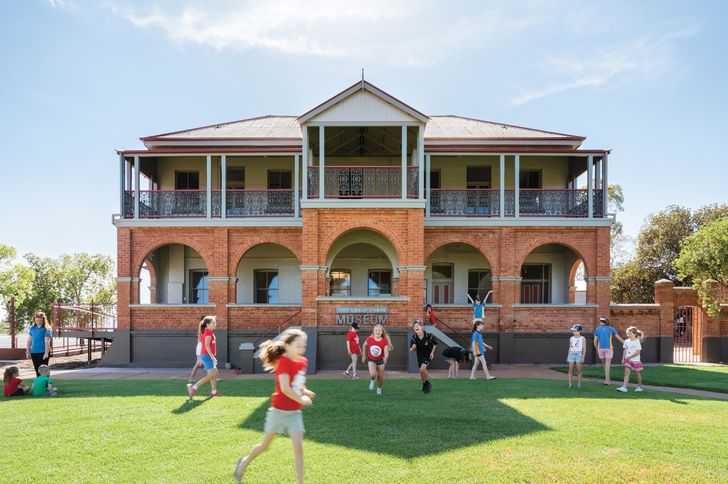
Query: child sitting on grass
<point x="43" y="385"/>
<point x="12" y="385"/>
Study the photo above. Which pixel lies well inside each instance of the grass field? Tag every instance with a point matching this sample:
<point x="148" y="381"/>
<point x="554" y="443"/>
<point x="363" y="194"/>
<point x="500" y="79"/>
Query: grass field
<point x="711" y="378"/>
<point x="464" y="431"/>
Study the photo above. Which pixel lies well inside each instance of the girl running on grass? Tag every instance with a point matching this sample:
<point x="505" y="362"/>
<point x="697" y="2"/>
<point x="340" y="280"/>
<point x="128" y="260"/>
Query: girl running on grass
<point x="478" y="346"/>
<point x="377" y="347"/>
<point x="207" y="356"/>
<point x="285" y="357"/>
<point x="577" y="351"/>
<point x="631" y="357"/>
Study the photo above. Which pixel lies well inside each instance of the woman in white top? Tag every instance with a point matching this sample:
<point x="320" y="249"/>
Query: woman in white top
<point x="631" y="358"/>
<point x="577" y="351"/>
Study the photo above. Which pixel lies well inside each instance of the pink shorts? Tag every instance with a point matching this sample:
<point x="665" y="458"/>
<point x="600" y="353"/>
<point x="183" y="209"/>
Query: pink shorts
<point x="634" y="365"/>
<point x="605" y="353"/>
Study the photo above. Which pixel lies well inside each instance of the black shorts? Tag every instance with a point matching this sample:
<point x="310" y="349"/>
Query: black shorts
<point x="18" y="393"/>
<point x="423" y="361"/>
<point x="377" y="362"/>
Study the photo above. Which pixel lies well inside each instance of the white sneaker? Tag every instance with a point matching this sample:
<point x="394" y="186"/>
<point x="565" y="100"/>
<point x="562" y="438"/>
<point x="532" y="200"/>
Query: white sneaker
<point x="371" y="384"/>
<point x="639" y="389"/>
<point x="622" y="389"/>
<point x="472" y="378"/>
<point x="379" y="391"/>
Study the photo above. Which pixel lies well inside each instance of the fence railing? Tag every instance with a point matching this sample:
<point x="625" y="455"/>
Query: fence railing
<point x="259" y="203"/>
<point x="363" y="181"/>
<point x="471" y="202"/>
<point x="83" y="317"/>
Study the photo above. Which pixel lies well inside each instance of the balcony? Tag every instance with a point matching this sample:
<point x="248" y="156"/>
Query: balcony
<point x="193" y="203"/>
<point x="540" y="202"/>
<point x="356" y="182"/>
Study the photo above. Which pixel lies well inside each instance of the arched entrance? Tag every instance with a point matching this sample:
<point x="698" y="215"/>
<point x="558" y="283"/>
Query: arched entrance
<point x="547" y="275"/>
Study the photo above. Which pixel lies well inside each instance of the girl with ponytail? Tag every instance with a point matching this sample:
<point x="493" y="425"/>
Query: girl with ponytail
<point x="284" y="356"/>
<point x="631" y="358"/>
<point x="208" y="350"/>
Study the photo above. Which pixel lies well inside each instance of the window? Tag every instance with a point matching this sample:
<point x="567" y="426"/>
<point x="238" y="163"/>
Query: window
<point x="535" y="286"/>
<point x="442" y="284"/>
<point x="279" y="180"/>
<point x="235" y="178"/>
<point x="266" y="287"/>
<point x="478" y="177"/>
<point x="479" y="282"/>
<point x="530" y="179"/>
<point x="198" y="287"/>
<point x="435" y="181"/>
<point x="380" y="283"/>
<point x="187" y="180"/>
<point x="340" y="283"/>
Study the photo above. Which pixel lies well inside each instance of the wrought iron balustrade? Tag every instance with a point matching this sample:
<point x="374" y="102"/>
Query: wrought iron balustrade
<point x="363" y="182"/>
<point x="547" y="202"/>
<point x="471" y="202"/>
<point x="259" y="203"/>
<point x="167" y="203"/>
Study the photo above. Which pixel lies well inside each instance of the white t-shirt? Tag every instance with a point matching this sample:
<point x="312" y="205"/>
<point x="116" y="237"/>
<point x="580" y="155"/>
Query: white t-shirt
<point x="632" y="346"/>
<point x="576" y="344"/>
<point x="198" y="349"/>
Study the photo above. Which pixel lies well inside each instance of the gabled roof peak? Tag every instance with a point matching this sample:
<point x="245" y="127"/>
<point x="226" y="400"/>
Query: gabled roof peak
<point x="355" y="88"/>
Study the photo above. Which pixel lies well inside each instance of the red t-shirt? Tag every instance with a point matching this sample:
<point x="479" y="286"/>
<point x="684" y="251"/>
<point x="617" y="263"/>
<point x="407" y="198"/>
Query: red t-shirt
<point x="203" y="337"/>
<point x="375" y="349"/>
<point x="12" y="386"/>
<point x="433" y="318"/>
<point x="353" y="338"/>
<point x="296" y="371"/>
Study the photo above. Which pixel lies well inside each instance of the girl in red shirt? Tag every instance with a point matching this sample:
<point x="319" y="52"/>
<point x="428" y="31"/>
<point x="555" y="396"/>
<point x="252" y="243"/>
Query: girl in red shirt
<point x="206" y="338"/>
<point x="12" y="385"/>
<point x="284" y="356"/>
<point x="352" y="347"/>
<point x="376" y="348"/>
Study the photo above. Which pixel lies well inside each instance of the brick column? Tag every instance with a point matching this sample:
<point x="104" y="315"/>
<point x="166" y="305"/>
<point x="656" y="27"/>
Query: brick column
<point x="665" y="297"/>
<point x="313" y="278"/>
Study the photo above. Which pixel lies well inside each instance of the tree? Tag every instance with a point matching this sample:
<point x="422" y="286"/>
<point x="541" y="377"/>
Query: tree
<point x="658" y="245"/>
<point x="86" y="278"/>
<point x="704" y="259"/>
<point x="16" y="280"/>
<point x="621" y="246"/>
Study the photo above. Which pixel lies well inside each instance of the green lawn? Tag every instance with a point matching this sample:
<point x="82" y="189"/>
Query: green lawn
<point x="711" y="378"/>
<point x="464" y="431"/>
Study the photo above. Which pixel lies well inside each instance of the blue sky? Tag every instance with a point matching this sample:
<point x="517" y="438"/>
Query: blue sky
<point x="79" y="79"/>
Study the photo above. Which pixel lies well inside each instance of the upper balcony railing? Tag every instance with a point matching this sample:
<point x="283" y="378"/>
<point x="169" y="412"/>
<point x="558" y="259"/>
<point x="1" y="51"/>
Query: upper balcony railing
<point x="540" y="202"/>
<point x="355" y="182"/>
<point x="361" y="183"/>
<point x="193" y="203"/>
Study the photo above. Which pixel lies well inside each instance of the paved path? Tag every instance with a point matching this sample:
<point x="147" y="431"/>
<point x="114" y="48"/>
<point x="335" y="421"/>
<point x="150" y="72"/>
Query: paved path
<point x="501" y="371"/>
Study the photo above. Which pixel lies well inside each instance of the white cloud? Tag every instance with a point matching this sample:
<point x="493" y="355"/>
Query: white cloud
<point x="399" y="33"/>
<point x="62" y="4"/>
<point x="643" y="57"/>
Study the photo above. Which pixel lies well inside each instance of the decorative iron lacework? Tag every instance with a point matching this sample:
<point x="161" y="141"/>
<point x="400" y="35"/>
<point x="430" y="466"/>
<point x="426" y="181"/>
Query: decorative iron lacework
<point x="468" y="202"/>
<point x="412" y="182"/>
<point x="128" y="204"/>
<point x="259" y="203"/>
<point x="167" y="203"/>
<point x="313" y="182"/>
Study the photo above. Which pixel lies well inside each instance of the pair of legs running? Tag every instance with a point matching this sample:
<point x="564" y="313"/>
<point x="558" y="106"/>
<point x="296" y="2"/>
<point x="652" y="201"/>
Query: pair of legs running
<point x="376" y="372"/>
<point x="480" y="359"/>
<point x="351" y="369"/>
<point x="211" y="377"/>
<point x="296" y="440"/>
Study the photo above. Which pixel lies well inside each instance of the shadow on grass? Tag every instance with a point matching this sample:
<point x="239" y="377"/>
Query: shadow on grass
<point x="189" y="405"/>
<point x="456" y="414"/>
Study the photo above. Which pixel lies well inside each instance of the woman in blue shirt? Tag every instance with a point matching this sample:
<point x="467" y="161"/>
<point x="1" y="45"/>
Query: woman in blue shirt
<point x="39" y="341"/>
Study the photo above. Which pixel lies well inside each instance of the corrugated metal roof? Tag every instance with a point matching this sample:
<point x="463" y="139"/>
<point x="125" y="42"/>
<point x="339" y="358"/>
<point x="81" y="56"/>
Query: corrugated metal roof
<point x="459" y="127"/>
<point x="287" y="127"/>
<point x="263" y="127"/>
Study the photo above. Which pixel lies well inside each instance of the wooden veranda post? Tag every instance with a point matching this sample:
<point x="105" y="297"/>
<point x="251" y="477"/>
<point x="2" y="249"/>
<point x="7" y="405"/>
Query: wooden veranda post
<point x="11" y="321"/>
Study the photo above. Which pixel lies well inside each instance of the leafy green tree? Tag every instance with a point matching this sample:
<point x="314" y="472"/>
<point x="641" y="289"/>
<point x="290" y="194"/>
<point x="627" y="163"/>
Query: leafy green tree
<point x="704" y="259"/>
<point x="16" y="280"/>
<point x="658" y="246"/>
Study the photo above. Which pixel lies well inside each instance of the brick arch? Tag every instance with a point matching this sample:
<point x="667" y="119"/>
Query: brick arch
<point x="236" y="257"/>
<point x="344" y="229"/>
<point x="538" y="242"/>
<point x="152" y="246"/>
<point x="434" y="243"/>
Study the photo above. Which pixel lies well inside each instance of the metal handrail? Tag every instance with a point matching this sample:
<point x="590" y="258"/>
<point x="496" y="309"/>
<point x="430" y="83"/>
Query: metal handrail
<point x="279" y="327"/>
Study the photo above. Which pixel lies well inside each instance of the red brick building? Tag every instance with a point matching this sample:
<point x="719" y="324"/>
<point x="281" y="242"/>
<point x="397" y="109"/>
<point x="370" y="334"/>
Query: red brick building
<point x="364" y="209"/>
